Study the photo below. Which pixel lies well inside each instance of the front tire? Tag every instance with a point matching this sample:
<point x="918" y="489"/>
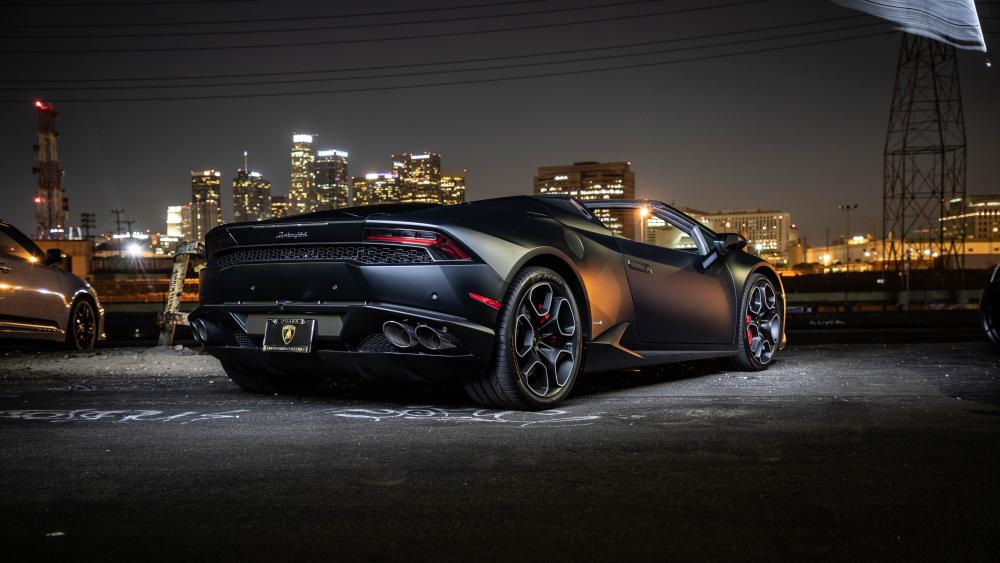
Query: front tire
<point x="256" y="381"/>
<point x="81" y="330"/>
<point x="760" y="328"/>
<point x="539" y="346"/>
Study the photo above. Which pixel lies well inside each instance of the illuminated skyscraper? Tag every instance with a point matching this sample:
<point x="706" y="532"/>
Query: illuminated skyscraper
<point x="251" y="197"/>
<point x="301" y="198"/>
<point x="592" y="181"/>
<point x="206" y="202"/>
<point x="331" y="182"/>
<point x="175" y="221"/>
<point x="187" y="229"/>
<point x="452" y="187"/>
<point x="279" y="206"/>
<point x="419" y="176"/>
<point x="376" y="188"/>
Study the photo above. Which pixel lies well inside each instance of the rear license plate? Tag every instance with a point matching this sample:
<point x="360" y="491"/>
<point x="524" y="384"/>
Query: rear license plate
<point x="289" y="335"/>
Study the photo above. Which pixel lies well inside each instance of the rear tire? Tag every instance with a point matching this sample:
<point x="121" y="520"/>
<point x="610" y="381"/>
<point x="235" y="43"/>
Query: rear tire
<point x="761" y="321"/>
<point x="539" y="345"/>
<point x="256" y="381"/>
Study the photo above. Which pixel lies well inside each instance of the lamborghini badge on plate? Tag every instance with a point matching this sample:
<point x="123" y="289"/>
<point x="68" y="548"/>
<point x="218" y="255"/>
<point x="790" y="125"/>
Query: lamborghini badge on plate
<point x="289" y="335"/>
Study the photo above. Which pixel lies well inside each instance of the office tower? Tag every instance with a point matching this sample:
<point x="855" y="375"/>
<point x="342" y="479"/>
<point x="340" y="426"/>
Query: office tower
<point x="279" y="206"/>
<point x="175" y="221"/>
<point x="251" y="196"/>
<point x="376" y="188"/>
<point x="301" y="197"/>
<point x="331" y="182"/>
<point x="768" y="231"/>
<point x="592" y="181"/>
<point x="452" y="187"/>
<point x="419" y="177"/>
<point x="206" y="202"/>
<point x="975" y="218"/>
<point x="187" y="228"/>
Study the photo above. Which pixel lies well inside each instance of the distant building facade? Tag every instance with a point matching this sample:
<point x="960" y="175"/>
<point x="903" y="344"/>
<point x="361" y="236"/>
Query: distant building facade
<point x="175" y="221"/>
<point x="279" y="206"/>
<point x="376" y="188"/>
<point x="187" y="226"/>
<point x="590" y="181"/>
<point x="419" y="177"/>
<point x="978" y="216"/>
<point x="206" y="202"/>
<point x="251" y="196"/>
<point x="453" y="187"/>
<point x="331" y="180"/>
<point x="768" y="231"/>
<point x="301" y="198"/>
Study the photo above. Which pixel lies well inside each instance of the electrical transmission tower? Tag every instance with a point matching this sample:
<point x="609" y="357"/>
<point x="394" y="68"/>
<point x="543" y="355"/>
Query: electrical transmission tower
<point x="924" y="166"/>
<point x="118" y="220"/>
<point x="88" y="224"/>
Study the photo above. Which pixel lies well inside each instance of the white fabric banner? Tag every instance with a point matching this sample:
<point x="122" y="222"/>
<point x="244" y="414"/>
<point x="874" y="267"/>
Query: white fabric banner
<point x="954" y="22"/>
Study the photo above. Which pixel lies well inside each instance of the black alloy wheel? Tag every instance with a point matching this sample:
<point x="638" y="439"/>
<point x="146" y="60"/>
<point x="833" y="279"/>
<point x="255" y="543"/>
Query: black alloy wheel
<point x="760" y="325"/>
<point x="82" y="327"/>
<point x="539" y="347"/>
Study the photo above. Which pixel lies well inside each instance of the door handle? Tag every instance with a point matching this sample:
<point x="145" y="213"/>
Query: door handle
<point x="640" y="266"/>
<point x="4" y="268"/>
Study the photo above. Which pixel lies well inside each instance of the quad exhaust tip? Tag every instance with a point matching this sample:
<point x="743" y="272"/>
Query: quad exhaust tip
<point x="399" y="334"/>
<point x="404" y="336"/>
<point x="434" y="339"/>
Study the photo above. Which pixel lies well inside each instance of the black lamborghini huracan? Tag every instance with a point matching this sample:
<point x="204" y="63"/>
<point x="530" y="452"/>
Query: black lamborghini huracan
<point x="516" y="295"/>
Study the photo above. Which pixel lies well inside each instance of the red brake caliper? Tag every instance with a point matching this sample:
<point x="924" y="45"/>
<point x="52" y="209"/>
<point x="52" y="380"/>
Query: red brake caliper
<point x="749" y="332"/>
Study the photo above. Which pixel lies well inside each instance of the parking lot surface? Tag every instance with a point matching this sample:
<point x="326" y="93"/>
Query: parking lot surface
<point x="845" y="450"/>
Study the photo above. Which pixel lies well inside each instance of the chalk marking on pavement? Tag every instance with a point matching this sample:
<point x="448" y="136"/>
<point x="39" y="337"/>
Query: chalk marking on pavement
<point x="437" y="414"/>
<point x="117" y="416"/>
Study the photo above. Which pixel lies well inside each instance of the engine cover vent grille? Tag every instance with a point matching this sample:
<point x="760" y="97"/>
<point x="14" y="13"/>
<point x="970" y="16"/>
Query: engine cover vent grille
<point x="362" y="253"/>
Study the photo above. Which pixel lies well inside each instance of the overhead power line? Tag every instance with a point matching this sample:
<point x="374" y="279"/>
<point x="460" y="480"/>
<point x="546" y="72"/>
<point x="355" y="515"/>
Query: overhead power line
<point x="458" y="82"/>
<point x="201" y="85"/>
<point x="436" y="63"/>
<point x="367" y="25"/>
<point x="311" y="17"/>
<point x="430" y="63"/>
<point x="383" y="39"/>
<point x="127" y="4"/>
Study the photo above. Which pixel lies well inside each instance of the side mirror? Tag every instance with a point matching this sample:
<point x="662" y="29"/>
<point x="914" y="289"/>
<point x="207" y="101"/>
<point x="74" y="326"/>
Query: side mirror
<point x="53" y="256"/>
<point x="730" y="243"/>
<point x="725" y="245"/>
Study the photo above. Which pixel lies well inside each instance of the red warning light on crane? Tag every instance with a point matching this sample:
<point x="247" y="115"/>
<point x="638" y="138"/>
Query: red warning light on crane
<point x="42" y="105"/>
<point x="38" y="199"/>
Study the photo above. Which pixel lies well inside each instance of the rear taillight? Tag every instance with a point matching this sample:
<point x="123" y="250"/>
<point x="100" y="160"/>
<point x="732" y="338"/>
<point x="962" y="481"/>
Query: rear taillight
<point x="444" y="246"/>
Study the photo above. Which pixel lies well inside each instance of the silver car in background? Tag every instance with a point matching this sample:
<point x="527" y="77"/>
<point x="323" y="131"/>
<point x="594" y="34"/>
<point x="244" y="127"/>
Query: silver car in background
<point x="43" y="302"/>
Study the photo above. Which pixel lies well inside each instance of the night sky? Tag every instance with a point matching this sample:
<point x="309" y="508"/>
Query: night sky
<point x="800" y="129"/>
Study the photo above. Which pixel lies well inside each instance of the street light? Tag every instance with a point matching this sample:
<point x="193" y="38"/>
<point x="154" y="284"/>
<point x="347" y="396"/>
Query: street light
<point x="848" y="207"/>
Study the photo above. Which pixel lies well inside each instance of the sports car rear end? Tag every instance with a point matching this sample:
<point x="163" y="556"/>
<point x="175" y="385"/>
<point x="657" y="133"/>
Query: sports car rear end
<point x="347" y="292"/>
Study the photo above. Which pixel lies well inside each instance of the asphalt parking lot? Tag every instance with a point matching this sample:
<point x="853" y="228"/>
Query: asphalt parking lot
<point x="865" y="451"/>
